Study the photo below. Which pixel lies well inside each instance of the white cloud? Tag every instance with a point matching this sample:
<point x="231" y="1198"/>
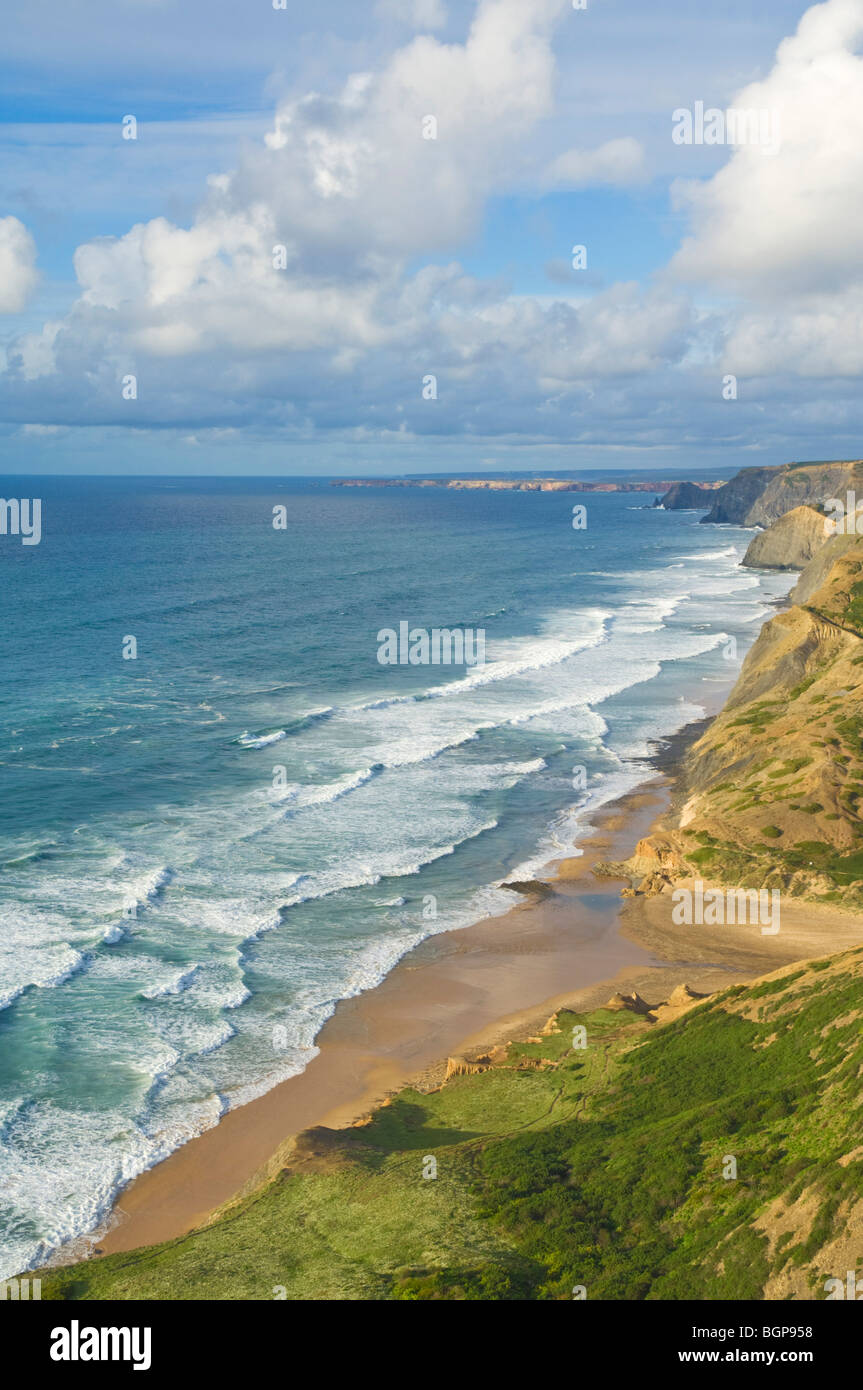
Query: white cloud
<point x="18" y="273"/>
<point x="815" y="336"/>
<point x="780" y="232"/>
<point x="352" y="177"/>
<point x="616" y="162"/>
<point x="770" y="223"/>
<point x="341" y="337"/>
<point x="352" y="190"/>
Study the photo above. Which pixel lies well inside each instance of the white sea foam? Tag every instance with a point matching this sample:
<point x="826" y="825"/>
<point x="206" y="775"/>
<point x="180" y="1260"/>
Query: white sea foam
<point x="176" y="985"/>
<point x="45" y="968"/>
<point x="247" y="740"/>
<point x="146" y="888"/>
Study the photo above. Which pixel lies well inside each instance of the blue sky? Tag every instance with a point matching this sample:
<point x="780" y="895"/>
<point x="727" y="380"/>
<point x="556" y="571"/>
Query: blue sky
<point x="258" y="127"/>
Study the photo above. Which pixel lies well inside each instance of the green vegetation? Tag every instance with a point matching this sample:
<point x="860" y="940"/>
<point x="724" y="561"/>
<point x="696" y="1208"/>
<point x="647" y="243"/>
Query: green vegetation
<point x="803" y="686"/>
<point x="854" y="612"/>
<point x="560" y="1167"/>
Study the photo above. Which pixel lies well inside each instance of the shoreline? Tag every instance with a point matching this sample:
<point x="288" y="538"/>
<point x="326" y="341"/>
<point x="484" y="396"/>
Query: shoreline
<point x="573" y="942"/>
<point x="490" y="978"/>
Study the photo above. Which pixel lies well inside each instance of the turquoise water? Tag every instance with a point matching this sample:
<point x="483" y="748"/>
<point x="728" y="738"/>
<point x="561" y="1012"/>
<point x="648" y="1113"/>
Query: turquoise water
<point x="203" y="849"/>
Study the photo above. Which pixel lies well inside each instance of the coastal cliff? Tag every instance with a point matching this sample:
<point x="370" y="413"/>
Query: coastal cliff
<point x="815" y="574"/>
<point x="759" y="496"/>
<point x="688" y="497"/>
<point x="771" y="795"/>
<point x="791" y="542"/>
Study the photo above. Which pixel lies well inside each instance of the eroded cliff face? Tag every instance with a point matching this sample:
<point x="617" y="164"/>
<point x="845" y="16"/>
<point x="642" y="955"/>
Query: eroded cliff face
<point x="759" y="496"/>
<point x="734" y="501"/>
<point x="772" y="793"/>
<point x="817" y="571"/>
<point x="791" y="542"/>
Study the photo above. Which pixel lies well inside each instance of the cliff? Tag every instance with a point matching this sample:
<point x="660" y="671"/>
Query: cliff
<point x="817" y="571"/>
<point x="791" y="542"/>
<point x="759" y="496"/>
<point x="772" y="793"/>
<point x="688" y="497"/>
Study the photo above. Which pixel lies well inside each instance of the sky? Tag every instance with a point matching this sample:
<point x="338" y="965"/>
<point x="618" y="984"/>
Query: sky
<point x="342" y="238"/>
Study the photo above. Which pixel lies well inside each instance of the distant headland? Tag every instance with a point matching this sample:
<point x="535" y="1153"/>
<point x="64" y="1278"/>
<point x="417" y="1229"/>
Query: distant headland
<point x="526" y="484"/>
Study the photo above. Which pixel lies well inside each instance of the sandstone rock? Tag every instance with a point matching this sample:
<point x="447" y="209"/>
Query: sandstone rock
<point x="632" y="1001"/>
<point x="791" y="542"/>
<point x="682" y="994"/>
<point x="461" y="1066"/>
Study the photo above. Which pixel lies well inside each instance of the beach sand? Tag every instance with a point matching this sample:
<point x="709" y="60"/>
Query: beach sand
<point x="573" y="944"/>
<point x="454" y="986"/>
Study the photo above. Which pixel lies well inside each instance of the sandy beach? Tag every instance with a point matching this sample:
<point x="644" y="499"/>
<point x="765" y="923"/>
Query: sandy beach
<point x="491" y="979"/>
<point x="573" y="943"/>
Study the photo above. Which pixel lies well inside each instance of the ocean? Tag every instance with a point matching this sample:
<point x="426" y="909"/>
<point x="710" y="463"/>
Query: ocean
<point x="205" y="847"/>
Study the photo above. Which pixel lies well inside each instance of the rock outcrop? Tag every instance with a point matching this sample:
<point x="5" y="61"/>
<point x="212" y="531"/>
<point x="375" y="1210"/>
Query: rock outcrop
<point x="679" y="1002"/>
<point x="688" y="497"/>
<point x="461" y="1066"/>
<point x="791" y="542"/>
<point x="633" y="1002"/>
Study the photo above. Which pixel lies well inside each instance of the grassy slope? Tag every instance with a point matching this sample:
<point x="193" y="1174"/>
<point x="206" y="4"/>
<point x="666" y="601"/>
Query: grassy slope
<point x="599" y="1167"/>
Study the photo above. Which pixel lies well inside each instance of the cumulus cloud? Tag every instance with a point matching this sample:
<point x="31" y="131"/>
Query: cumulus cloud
<point x="296" y="269"/>
<point x="780" y="230"/>
<point x="298" y="301"/>
<point x="616" y="162"/>
<point x="398" y="163"/>
<point x="817" y="335"/>
<point x="770" y="222"/>
<point x="18" y="273"/>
